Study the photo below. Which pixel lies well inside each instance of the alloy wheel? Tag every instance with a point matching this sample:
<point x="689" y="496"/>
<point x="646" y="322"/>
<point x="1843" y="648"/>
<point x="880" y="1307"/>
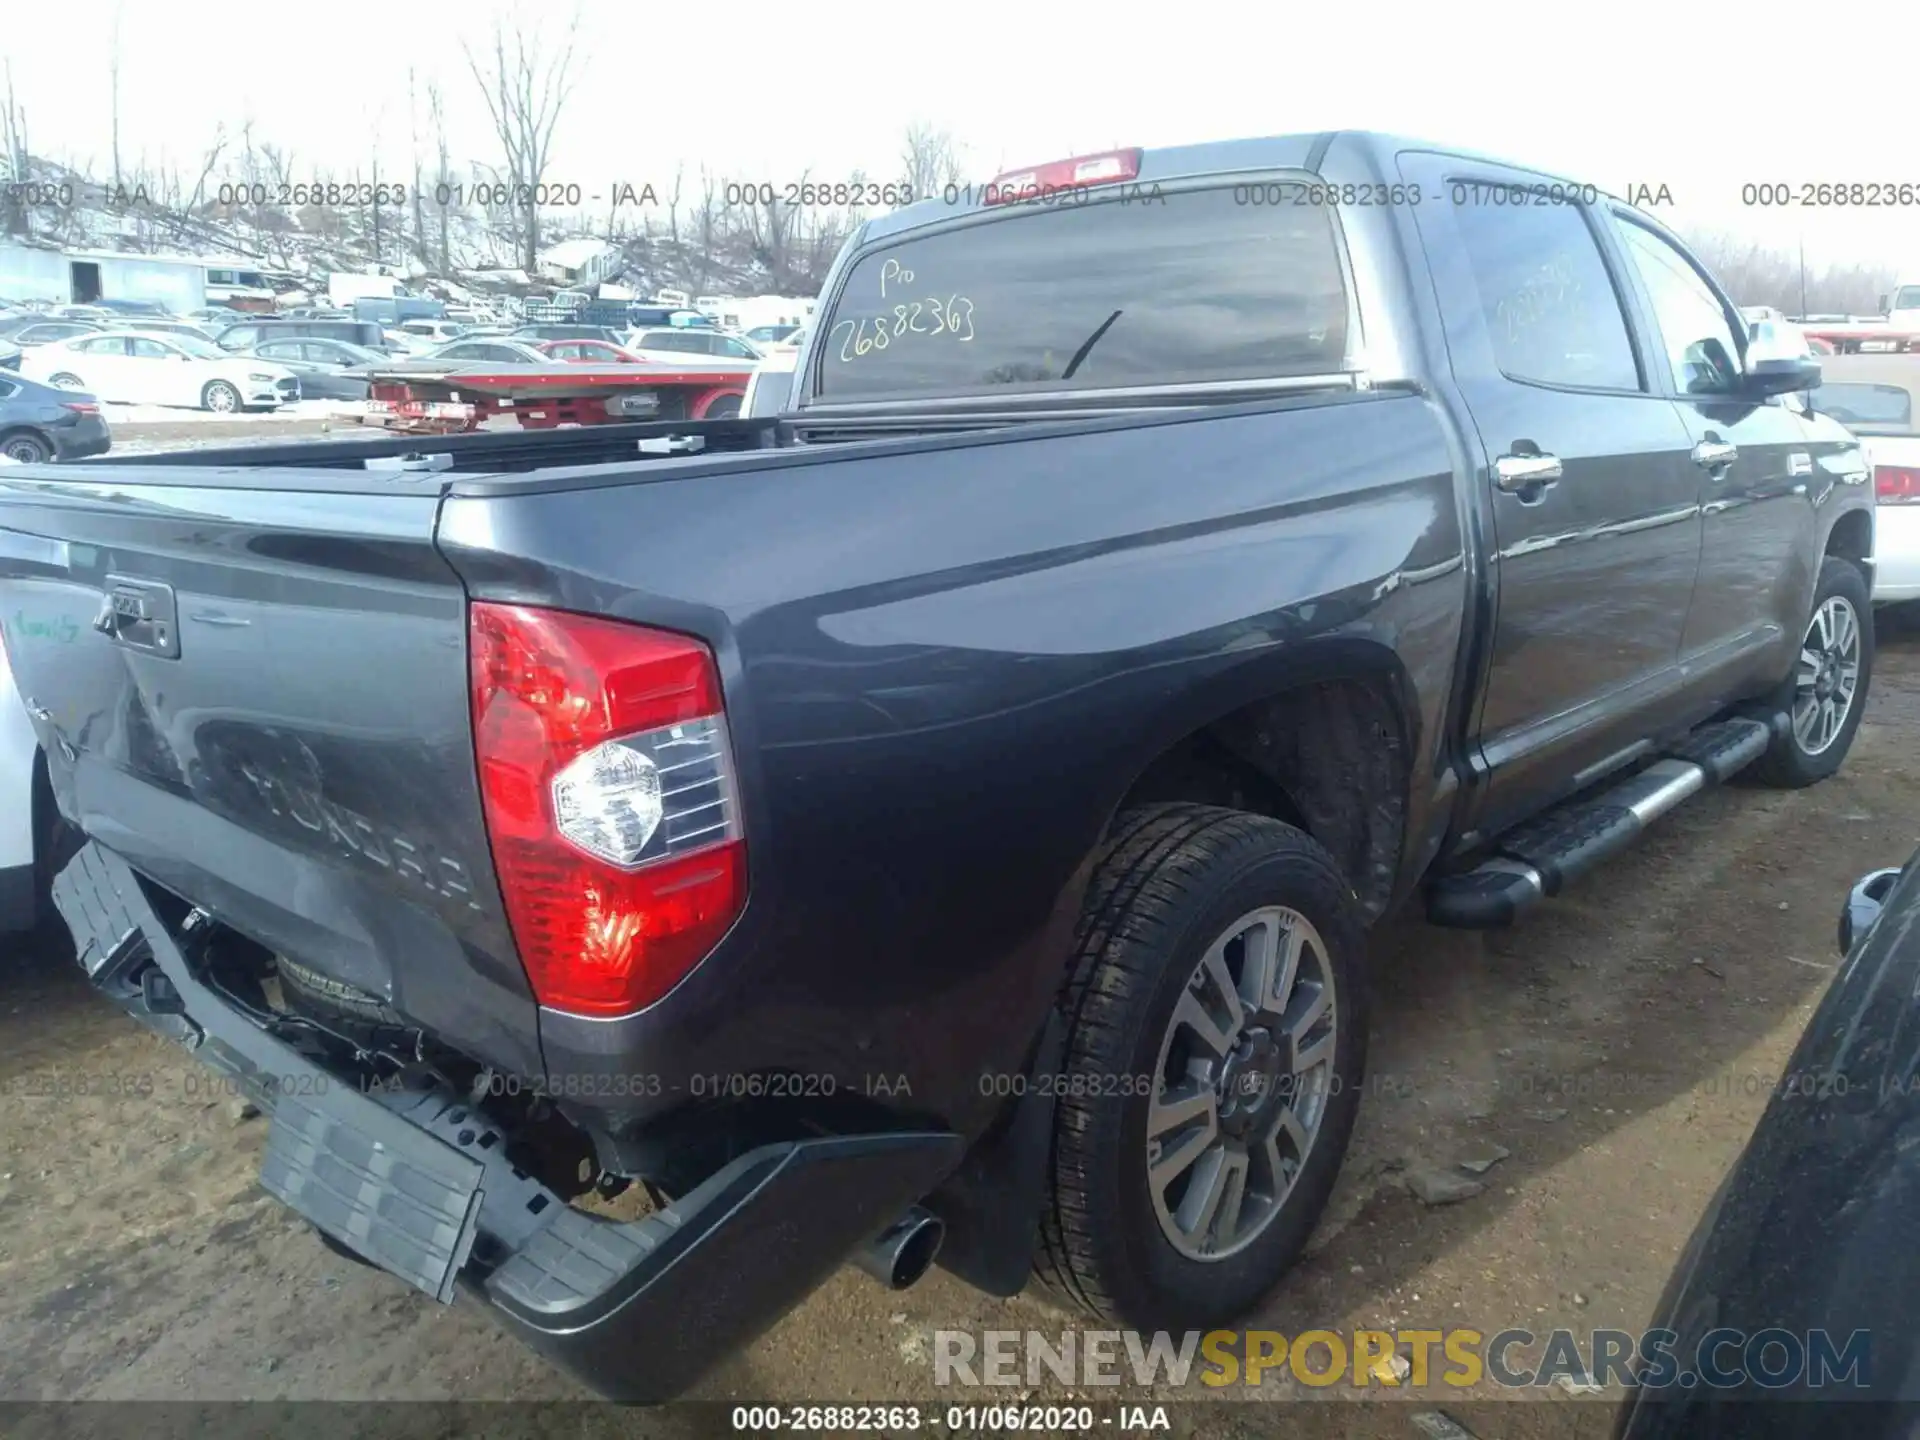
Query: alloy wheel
<point x="1828" y="676"/>
<point x="1244" y="1074"/>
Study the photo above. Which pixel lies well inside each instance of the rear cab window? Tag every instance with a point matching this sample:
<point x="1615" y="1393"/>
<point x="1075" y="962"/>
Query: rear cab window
<point x="1148" y="288"/>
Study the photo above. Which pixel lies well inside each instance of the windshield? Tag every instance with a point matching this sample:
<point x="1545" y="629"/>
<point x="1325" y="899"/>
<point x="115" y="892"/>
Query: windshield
<point x="1144" y="288"/>
<point x="1907" y="298"/>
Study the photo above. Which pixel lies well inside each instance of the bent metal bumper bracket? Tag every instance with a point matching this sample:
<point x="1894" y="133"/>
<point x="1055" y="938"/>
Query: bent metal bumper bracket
<point x="417" y="1183"/>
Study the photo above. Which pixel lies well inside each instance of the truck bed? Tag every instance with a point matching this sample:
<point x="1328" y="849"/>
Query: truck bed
<point x="303" y="764"/>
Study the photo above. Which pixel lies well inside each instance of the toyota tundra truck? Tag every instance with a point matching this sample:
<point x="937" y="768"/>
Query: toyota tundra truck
<point x="939" y="821"/>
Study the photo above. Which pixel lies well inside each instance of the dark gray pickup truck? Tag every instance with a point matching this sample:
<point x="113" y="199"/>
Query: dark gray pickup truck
<point x="941" y="820"/>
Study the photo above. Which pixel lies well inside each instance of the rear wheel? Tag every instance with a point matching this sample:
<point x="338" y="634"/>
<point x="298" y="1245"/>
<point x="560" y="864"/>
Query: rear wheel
<point x="220" y="397"/>
<point x="1827" y="692"/>
<point x="725" y="408"/>
<point x="66" y="381"/>
<point x="1216" y="1046"/>
<point x="27" y="448"/>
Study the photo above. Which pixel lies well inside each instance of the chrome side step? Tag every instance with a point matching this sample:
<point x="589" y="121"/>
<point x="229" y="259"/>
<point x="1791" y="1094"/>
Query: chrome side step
<point x="1540" y="857"/>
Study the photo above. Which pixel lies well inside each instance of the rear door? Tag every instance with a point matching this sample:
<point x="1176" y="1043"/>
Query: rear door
<point x="159" y="374"/>
<point x="1754" y="464"/>
<point x="101" y="363"/>
<point x="1590" y="487"/>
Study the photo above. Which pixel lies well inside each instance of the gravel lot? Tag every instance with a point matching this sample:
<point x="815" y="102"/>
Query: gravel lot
<point x="1618" y="1044"/>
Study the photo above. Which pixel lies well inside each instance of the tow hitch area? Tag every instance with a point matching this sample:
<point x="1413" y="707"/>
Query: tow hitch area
<point x="418" y="1183"/>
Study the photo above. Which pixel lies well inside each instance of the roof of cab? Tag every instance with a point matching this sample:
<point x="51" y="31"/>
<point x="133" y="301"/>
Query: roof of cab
<point x="1212" y="157"/>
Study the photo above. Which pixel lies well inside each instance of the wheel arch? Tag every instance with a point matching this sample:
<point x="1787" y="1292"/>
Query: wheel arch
<point x="1851" y="538"/>
<point x="1321" y="735"/>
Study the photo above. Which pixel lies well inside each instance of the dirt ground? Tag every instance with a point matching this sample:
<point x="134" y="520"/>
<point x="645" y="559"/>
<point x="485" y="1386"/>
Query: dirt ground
<point x="1618" y="1043"/>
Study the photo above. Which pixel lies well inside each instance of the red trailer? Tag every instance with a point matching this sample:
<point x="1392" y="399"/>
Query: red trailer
<point x="423" y="397"/>
<point x="1852" y="339"/>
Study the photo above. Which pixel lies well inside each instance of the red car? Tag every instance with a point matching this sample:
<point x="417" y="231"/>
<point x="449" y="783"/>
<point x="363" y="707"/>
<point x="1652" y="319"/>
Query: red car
<point x="589" y="352"/>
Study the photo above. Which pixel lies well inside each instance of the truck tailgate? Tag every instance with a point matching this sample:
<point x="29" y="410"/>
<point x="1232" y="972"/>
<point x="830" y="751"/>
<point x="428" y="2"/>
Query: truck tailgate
<point x="256" y="692"/>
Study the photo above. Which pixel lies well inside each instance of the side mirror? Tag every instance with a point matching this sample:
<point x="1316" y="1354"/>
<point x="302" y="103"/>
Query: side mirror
<point x="1779" y="361"/>
<point x="1885" y="307"/>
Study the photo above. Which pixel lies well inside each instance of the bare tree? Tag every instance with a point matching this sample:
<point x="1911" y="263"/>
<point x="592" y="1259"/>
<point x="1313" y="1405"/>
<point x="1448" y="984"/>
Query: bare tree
<point x="15" y="214"/>
<point x="442" y="174"/>
<point x="113" y="81"/>
<point x="419" y="201"/>
<point x="525" y="87"/>
<point x="929" y="159"/>
<point x="1755" y="275"/>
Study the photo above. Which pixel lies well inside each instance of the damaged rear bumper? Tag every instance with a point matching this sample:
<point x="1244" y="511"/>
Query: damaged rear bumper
<point x="417" y="1183"/>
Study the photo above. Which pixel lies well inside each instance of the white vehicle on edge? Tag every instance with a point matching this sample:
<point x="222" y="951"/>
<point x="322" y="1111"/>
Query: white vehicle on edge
<point x="139" y="368"/>
<point x="21" y="860"/>
<point x="1875" y="397"/>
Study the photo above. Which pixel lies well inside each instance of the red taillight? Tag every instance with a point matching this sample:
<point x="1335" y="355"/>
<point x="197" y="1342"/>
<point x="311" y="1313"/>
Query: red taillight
<point x="607" y="779"/>
<point x="80" y="407"/>
<point x="1896" y="484"/>
<point x="1107" y="168"/>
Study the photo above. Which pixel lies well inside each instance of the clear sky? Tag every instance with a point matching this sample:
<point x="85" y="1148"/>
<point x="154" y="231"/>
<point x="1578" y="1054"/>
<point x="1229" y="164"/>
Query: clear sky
<point x="1701" y="98"/>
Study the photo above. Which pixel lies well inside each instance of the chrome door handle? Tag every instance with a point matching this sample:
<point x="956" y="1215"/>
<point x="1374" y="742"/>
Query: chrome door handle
<point x="1713" y="454"/>
<point x="1514" y="473"/>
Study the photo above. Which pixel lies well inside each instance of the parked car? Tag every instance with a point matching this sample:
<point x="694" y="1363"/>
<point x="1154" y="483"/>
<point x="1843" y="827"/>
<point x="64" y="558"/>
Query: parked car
<point x="588" y="352"/>
<point x="43" y="332"/>
<point x="39" y="422"/>
<point x="250" y="333"/>
<point x="501" y="351"/>
<point x="765" y="336"/>
<point x="127" y="309"/>
<point x="436" y="332"/>
<point x="768" y="386"/>
<point x="10" y="354"/>
<point x="137" y="368"/>
<point x="667" y="343"/>
<point x="1810" y="1233"/>
<point x="1873" y="396"/>
<point x="25" y="802"/>
<point x="196" y="329"/>
<point x="326" y="369"/>
<point x="942" y="823"/>
<point x="531" y="333"/>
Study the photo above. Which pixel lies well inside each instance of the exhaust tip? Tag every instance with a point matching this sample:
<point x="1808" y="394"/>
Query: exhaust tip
<point x="903" y="1253"/>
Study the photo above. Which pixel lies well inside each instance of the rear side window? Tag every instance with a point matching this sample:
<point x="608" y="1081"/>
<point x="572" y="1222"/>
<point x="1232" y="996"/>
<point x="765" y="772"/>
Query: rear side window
<point x="1148" y="288"/>
<point x="1552" y="313"/>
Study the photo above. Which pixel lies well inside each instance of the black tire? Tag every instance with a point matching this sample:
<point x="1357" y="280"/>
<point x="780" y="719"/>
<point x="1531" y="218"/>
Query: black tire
<point x="727" y="407"/>
<point x="26" y="447"/>
<point x="223" y="389"/>
<point x="1788" y="765"/>
<point x="1174" y="878"/>
<point x="66" y="380"/>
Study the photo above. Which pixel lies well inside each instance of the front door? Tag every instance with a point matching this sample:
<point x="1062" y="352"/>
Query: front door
<point x="1754" y="472"/>
<point x="1590" y="489"/>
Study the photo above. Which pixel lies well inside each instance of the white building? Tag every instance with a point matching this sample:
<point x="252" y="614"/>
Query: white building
<point x="579" y="262"/>
<point x="748" y="312"/>
<point x="76" y="277"/>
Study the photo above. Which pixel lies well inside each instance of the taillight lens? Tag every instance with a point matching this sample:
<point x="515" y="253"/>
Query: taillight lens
<point x="607" y="778"/>
<point x="1896" y="484"/>
<point x="80" y="407"/>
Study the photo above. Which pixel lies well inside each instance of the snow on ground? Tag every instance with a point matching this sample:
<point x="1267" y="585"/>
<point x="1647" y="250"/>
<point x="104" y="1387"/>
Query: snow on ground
<point x="119" y="415"/>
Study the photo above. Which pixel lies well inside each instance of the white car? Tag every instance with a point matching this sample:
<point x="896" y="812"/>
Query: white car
<point x="670" y="344"/>
<point x="769" y="386"/>
<point x="21" y="796"/>
<point x="1876" y="396"/>
<point x="138" y="367"/>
